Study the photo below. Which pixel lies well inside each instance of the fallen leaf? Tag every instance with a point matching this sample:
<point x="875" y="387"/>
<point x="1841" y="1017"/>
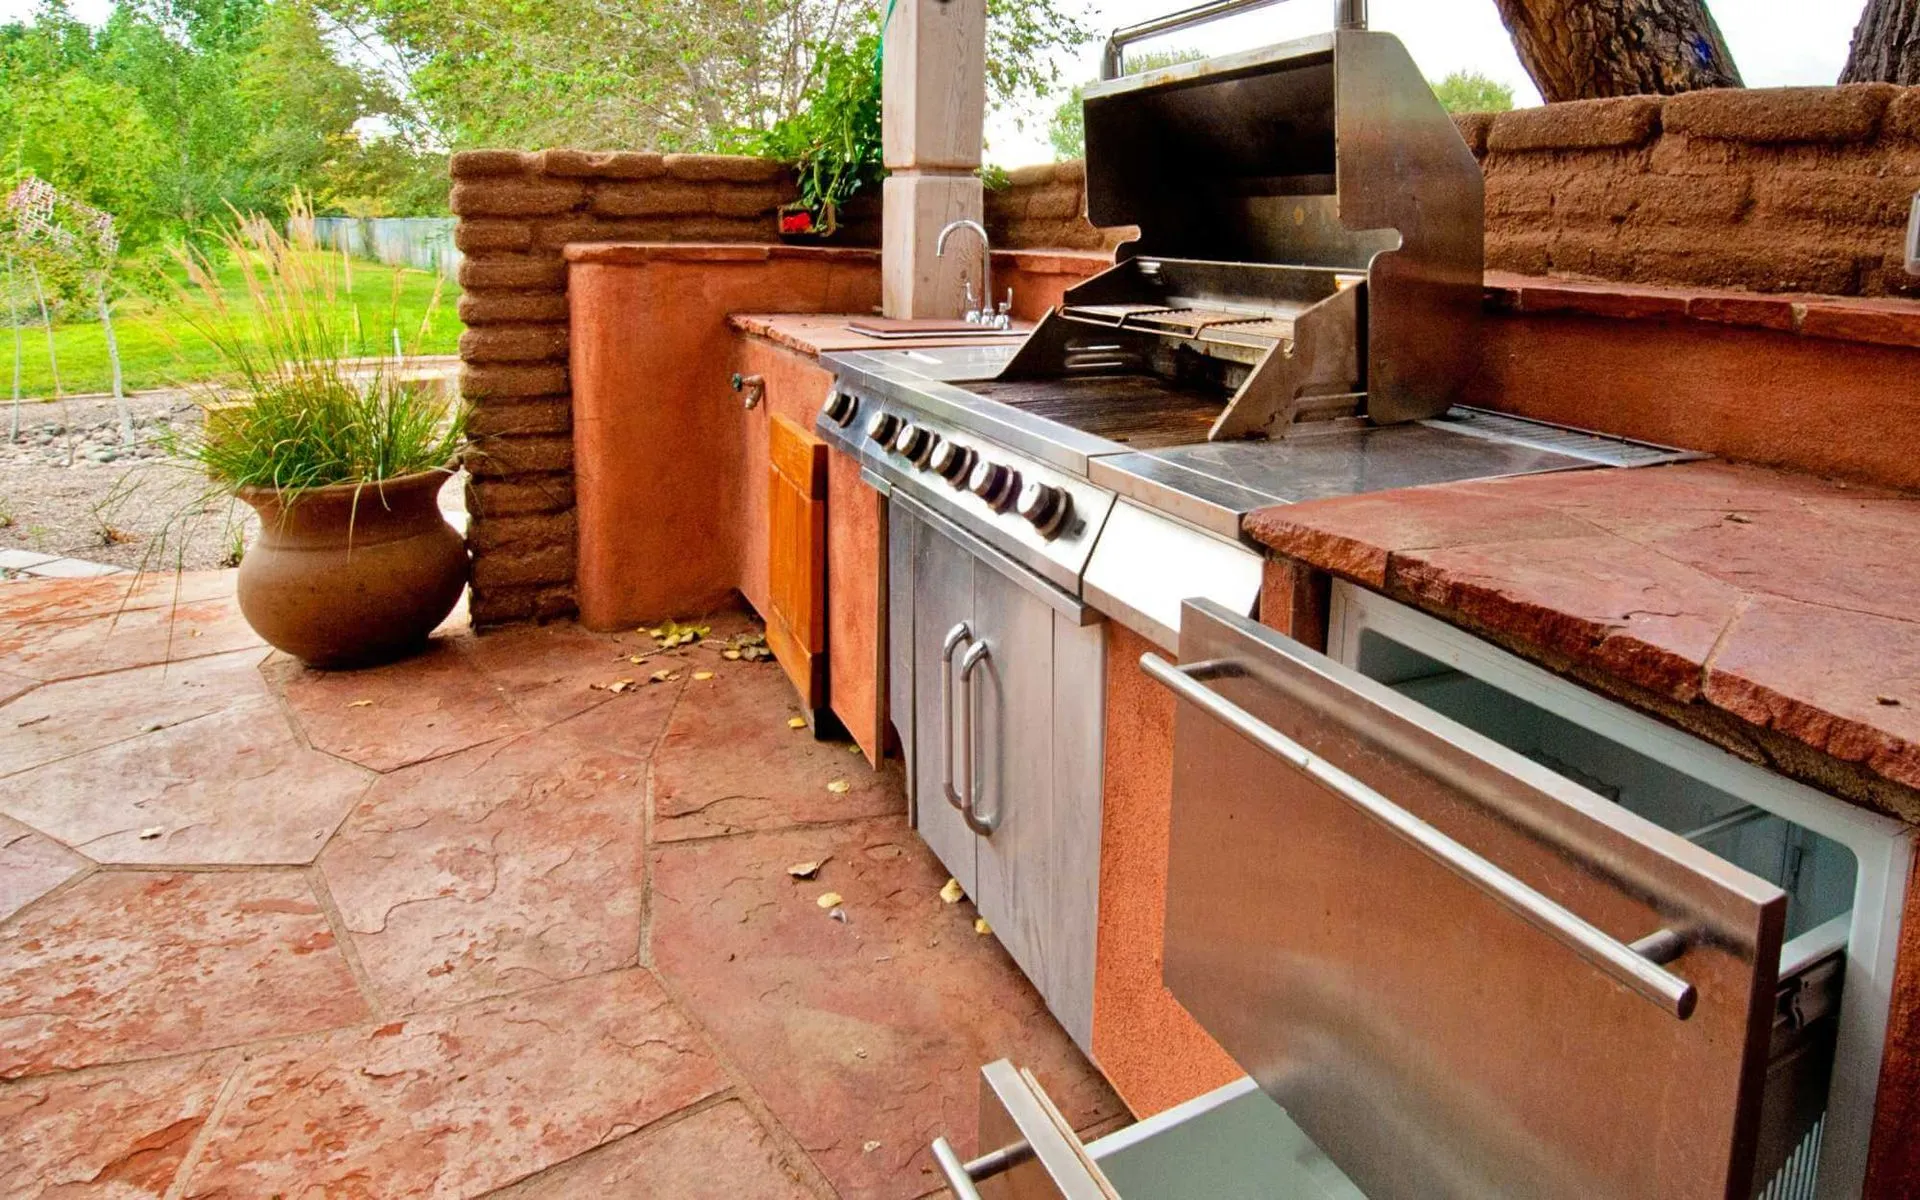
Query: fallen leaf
<point x="703" y="675"/>
<point x="1889" y="701"/>
<point x="854" y="749"/>
<point x="620" y="685"/>
<point x="828" y="900"/>
<point x="1740" y="518"/>
<point x="838" y="914"/>
<point x="861" y="1052"/>
<point x="796" y="722"/>
<point x="359" y="703"/>
<point x="807" y="870"/>
<point x="839" y="787"/>
<point x="152" y="832"/>
<point x="193" y="633"/>
<point x="981" y="927"/>
<point x="664" y="675"/>
<point x="868" y="1147"/>
<point x="730" y="655"/>
<point x="637" y="659"/>
<point x="953" y="893"/>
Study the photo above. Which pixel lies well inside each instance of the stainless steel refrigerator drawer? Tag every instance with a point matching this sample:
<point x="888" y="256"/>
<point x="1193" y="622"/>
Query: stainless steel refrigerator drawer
<point x="1461" y="973"/>
<point x="1233" y="1143"/>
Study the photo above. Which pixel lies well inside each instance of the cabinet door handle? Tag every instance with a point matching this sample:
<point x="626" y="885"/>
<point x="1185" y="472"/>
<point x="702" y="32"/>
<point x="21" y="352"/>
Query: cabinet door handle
<point x="955" y="636"/>
<point x="1636" y="966"/>
<point x="983" y="825"/>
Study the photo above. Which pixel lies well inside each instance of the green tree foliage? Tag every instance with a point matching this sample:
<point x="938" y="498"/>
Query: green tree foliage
<point x="1470" y="91"/>
<point x="172" y="113"/>
<point x="684" y="75"/>
<point x="1068" y="129"/>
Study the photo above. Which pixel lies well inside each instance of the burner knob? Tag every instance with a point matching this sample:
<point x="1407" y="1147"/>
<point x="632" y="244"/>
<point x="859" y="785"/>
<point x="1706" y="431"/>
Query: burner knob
<point x="840" y="407"/>
<point x="882" y="427"/>
<point x="995" y="484"/>
<point x="951" y="461"/>
<point x="1045" y="506"/>
<point x="913" y="442"/>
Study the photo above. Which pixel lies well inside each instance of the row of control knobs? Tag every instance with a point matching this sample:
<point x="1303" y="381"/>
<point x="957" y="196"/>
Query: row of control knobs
<point x="1043" y="505"/>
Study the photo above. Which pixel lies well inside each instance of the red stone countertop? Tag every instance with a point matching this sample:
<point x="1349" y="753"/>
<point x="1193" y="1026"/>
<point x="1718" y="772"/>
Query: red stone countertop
<point x="822" y="333"/>
<point x="1773" y="613"/>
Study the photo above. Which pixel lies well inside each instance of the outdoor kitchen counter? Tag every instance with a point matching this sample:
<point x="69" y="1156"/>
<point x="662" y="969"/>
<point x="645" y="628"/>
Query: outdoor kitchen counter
<point x="1773" y="613"/>
<point x="814" y="334"/>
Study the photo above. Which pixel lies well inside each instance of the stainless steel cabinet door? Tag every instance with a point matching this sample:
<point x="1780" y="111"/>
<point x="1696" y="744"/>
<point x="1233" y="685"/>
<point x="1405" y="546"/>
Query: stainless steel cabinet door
<point x="1461" y="974"/>
<point x="1012" y="784"/>
<point x="942" y="581"/>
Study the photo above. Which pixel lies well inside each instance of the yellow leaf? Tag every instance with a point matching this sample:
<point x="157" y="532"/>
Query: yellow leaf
<point x="665" y="675"/>
<point x="619" y="685"/>
<point x="839" y="787"/>
<point x="730" y="655"/>
<point x="807" y="870"/>
<point x="828" y="900"/>
<point x="359" y="703"/>
<point x="953" y="893"/>
<point x="854" y="749"/>
<point x="703" y="674"/>
<point x="980" y="926"/>
<point x="796" y="722"/>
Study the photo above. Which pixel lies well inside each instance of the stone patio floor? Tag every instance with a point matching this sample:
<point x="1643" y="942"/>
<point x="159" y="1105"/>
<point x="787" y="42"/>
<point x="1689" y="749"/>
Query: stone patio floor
<point x="472" y="924"/>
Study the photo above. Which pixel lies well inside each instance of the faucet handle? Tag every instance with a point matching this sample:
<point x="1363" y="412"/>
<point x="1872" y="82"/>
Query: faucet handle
<point x="973" y="310"/>
<point x="1003" y="318"/>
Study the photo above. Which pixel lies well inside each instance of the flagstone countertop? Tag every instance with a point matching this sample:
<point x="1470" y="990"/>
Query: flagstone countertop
<point x="1777" y="614"/>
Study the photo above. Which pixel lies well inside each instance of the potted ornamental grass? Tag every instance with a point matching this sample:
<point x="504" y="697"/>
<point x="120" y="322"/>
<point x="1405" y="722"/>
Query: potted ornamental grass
<point x="318" y="426"/>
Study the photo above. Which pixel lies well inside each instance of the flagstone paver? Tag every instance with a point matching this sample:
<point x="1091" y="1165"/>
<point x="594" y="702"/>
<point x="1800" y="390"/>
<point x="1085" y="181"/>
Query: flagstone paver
<point x="426" y="707"/>
<point x="135" y="965"/>
<point x="718" y="1153"/>
<point x="31" y="865"/>
<point x="466" y="973"/>
<point x="231" y="787"/>
<point x="863" y="1031"/>
<point x="119" y="1132"/>
<point x="504" y="867"/>
<point x="459" y="1102"/>
<point x="769" y="775"/>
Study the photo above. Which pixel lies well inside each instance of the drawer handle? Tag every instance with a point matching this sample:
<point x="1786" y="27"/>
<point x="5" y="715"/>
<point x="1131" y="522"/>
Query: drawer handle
<point x="961" y="1176"/>
<point x="955" y="636"/>
<point x="982" y="825"/>
<point x="1636" y="966"/>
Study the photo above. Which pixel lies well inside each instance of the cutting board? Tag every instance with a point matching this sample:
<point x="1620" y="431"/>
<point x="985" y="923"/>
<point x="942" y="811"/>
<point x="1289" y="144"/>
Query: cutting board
<point x="910" y="327"/>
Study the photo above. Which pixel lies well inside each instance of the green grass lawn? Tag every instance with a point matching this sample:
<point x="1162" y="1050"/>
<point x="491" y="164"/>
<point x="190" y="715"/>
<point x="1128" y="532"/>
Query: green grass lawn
<point x="159" y="349"/>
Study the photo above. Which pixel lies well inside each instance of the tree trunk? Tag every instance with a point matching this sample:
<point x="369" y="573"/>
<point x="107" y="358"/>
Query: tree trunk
<point x="1886" y="44"/>
<point x="1584" y="49"/>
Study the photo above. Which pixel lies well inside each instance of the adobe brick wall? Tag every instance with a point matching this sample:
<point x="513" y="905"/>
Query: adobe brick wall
<point x="516" y="211"/>
<point x="1044" y="208"/>
<point x="1767" y="189"/>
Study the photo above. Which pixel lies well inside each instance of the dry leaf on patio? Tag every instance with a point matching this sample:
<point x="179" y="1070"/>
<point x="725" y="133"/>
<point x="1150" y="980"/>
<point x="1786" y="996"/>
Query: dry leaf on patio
<point x="637" y="659"/>
<point x="672" y="633"/>
<point x="952" y="892"/>
<point x="869" y="1147"/>
<point x="703" y="675"/>
<point x="152" y="832"/>
<point x="839" y="787"/>
<point x="730" y="655"/>
<point x="620" y="685"/>
<point x="807" y="870"/>
<point x="796" y="722"/>
<point x="359" y="703"/>
<point x="981" y="927"/>
<point x="665" y="675"/>
<point x="828" y="900"/>
<point x="854" y="749"/>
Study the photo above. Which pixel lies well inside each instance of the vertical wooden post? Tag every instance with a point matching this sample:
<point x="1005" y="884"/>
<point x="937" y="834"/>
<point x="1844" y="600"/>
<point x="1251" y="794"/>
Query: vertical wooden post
<point x="933" y="98"/>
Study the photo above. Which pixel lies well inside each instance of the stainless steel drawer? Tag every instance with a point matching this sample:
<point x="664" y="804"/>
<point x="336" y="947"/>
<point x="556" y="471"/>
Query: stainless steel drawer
<point x="1233" y="1143"/>
<point x="1462" y="974"/>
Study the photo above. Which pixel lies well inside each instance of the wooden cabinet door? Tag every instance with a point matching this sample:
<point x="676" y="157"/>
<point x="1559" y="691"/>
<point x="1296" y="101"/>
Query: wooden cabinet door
<point x="797" y="559"/>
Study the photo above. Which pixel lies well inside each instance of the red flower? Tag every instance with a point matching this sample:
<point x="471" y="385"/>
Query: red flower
<point x="796" y="222"/>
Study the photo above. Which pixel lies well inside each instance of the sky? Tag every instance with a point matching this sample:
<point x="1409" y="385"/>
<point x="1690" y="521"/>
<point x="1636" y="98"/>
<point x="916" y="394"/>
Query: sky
<point x="1775" y="43"/>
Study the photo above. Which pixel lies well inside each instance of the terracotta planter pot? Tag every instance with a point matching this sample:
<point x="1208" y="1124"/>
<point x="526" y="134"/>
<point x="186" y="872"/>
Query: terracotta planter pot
<point x="352" y="574"/>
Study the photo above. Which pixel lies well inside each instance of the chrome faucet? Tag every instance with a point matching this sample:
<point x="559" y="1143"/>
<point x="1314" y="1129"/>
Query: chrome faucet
<point x="985" y="314"/>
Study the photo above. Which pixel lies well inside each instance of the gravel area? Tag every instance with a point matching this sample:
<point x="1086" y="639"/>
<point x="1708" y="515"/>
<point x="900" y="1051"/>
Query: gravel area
<point x="70" y="486"/>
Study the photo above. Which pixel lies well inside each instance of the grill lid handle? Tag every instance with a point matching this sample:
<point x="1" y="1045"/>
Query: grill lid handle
<point x="1347" y="14"/>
